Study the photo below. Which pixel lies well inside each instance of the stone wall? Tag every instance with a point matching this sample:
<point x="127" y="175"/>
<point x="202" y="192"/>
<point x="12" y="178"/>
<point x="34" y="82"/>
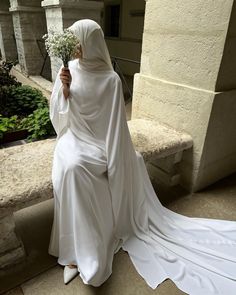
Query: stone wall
<point x="29" y="26"/>
<point x="188" y="81"/>
<point x="7" y="40"/>
<point x="129" y="43"/>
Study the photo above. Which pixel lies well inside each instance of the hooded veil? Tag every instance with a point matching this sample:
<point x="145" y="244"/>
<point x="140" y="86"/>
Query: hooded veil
<point x="197" y="254"/>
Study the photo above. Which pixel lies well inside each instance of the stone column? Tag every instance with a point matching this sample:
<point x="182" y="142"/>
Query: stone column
<point x="60" y="14"/>
<point x="188" y="81"/>
<point x="7" y="39"/>
<point x="29" y="25"/>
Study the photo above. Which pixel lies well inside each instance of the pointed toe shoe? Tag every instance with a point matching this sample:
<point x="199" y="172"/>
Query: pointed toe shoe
<point x="69" y="273"/>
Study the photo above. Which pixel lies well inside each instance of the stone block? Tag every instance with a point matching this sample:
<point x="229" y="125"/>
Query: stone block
<point x="12" y="257"/>
<point x="185" y="109"/>
<point x="209" y="117"/>
<point x="30" y="185"/>
<point x="29" y="26"/>
<point x="7" y="41"/>
<point x="157" y="174"/>
<point x="169" y="163"/>
<point x="184" y="42"/>
<point x="11" y="246"/>
<point x="154" y="140"/>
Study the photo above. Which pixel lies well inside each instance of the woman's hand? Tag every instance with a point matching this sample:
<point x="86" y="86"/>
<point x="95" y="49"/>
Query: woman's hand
<point x="66" y="79"/>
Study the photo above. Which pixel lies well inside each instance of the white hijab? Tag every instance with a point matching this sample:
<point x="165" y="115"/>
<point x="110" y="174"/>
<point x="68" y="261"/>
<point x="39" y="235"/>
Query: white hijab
<point x="95" y="52"/>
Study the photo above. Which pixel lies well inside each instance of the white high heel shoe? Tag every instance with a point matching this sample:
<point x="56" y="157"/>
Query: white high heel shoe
<point x="70" y="273"/>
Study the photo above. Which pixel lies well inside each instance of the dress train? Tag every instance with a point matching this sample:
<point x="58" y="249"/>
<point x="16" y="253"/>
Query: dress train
<point x="197" y="254"/>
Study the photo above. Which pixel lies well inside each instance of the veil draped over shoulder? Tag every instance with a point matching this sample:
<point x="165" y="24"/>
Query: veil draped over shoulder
<point x="197" y="254"/>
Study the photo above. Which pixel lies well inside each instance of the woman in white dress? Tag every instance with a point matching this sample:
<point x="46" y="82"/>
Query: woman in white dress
<point x="103" y="197"/>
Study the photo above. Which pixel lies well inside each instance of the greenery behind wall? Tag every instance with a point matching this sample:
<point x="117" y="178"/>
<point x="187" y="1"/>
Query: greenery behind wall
<point x="22" y="107"/>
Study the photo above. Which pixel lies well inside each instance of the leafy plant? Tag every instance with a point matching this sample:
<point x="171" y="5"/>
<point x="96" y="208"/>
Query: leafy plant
<point x="38" y="124"/>
<point x="21" y="100"/>
<point x="9" y="124"/>
<point x="22" y="107"/>
<point x="5" y="77"/>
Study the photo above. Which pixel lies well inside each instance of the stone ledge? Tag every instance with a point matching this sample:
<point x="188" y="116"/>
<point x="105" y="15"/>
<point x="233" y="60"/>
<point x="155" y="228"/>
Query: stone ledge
<point x="4" y="12"/>
<point x="154" y="140"/>
<point x="30" y="9"/>
<point x="25" y="177"/>
<point x="94" y="5"/>
<point x="26" y="169"/>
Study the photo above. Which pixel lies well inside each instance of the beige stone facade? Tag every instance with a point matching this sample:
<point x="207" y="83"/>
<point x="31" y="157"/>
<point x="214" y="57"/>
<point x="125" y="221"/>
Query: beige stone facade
<point x="29" y="23"/>
<point x="7" y="39"/>
<point x="188" y="81"/>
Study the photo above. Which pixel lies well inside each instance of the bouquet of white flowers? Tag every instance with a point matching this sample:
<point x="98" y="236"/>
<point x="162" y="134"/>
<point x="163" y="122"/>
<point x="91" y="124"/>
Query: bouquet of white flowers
<point x="62" y="45"/>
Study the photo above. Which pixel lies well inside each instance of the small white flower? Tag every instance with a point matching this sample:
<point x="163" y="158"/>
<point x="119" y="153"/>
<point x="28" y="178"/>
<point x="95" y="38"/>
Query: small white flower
<point x="61" y="45"/>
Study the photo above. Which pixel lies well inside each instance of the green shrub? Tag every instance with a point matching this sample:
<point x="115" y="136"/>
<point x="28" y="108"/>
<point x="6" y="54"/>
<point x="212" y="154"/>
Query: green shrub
<point x="22" y="107"/>
<point x="9" y="124"/>
<point x="20" y="100"/>
<point x="38" y="124"/>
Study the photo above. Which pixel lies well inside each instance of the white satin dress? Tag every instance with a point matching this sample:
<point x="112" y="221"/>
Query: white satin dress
<point x="104" y="200"/>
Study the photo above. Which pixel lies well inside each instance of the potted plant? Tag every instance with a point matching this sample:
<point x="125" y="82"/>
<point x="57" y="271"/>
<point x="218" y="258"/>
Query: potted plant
<point x="10" y="129"/>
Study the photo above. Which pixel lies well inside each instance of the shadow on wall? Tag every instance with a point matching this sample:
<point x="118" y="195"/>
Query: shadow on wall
<point x="219" y="156"/>
<point x="226" y="79"/>
<point x="219" y="153"/>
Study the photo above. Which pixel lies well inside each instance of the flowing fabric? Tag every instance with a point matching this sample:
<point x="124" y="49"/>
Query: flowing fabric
<point x="104" y="199"/>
